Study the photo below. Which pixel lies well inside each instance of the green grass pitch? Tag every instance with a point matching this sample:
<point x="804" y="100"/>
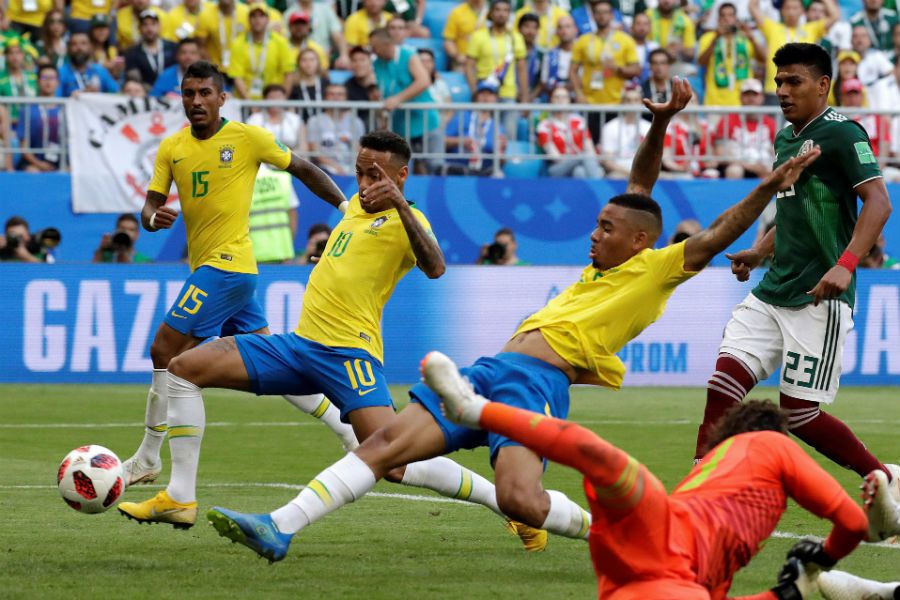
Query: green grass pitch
<point x="398" y="543"/>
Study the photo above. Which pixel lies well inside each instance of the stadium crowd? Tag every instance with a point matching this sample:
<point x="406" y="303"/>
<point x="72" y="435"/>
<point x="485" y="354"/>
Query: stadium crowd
<point x="604" y="53"/>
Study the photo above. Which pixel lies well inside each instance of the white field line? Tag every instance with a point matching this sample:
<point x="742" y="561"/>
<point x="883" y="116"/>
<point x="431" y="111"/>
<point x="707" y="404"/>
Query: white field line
<point x="408" y="497"/>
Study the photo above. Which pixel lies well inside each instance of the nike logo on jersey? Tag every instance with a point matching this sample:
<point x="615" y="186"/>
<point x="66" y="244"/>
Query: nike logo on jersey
<point x="363" y="393"/>
<point x="177" y="316"/>
<point x="175" y="161"/>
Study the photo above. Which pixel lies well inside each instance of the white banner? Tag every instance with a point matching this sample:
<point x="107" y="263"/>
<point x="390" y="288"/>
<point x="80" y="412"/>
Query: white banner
<point x="113" y="141"/>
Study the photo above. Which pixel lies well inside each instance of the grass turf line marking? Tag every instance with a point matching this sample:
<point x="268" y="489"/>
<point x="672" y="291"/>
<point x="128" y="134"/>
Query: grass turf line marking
<point x="408" y="497"/>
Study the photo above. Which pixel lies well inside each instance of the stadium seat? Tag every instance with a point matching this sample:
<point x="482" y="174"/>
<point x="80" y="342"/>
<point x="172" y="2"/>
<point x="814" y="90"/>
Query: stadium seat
<point x="436" y="17"/>
<point x="339" y="77"/>
<point x="516" y="167"/>
<point x="459" y="87"/>
<point x="435" y="45"/>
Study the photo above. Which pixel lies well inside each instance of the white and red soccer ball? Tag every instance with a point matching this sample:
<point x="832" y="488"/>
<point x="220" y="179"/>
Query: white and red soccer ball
<point x="91" y="479"/>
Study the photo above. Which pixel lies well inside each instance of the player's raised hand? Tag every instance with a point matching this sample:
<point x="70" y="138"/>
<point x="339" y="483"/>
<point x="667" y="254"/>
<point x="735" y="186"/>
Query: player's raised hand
<point x="164" y="217"/>
<point x="681" y="95"/>
<point x="789" y="171"/>
<point x="743" y="262"/>
<point x="382" y="194"/>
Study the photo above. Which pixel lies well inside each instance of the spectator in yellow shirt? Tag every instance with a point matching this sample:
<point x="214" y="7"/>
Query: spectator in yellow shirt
<point x="548" y="15"/>
<point x="468" y="17"/>
<point x="184" y="19"/>
<point x="27" y="16"/>
<point x="360" y="24"/>
<point x="727" y="54"/>
<point x="299" y="30"/>
<point x="218" y="25"/>
<point x="673" y="29"/>
<point x="128" y="19"/>
<point x="791" y="29"/>
<point x="260" y="58"/>
<point x="606" y="59"/>
<point x="497" y="55"/>
<point x="82" y="11"/>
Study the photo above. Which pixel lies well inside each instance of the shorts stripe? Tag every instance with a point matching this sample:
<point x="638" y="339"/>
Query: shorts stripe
<point x="824" y="359"/>
<point x="833" y="335"/>
<point x="835" y="348"/>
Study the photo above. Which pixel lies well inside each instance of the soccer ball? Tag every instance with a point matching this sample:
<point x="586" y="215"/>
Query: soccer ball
<point x="91" y="479"/>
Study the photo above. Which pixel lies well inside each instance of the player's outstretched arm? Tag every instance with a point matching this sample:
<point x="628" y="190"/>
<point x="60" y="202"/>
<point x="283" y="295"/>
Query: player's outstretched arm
<point x="156" y="215"/>
<point x="746" y="260"/>
<point x="648" y="158"/>
<point x="318" y="182"/>
<point x="874" y="214"/>
<point x="701" y="248"/>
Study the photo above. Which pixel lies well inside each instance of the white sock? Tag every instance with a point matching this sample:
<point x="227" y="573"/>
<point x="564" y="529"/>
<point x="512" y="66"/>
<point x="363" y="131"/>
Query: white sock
<point x="451" y="479"/>
<point x="320" y="407"/>
<point x="566" y="518"/>
<point x="154" y="419"/>
<point x="187" y="419"/>
<point x="345" y="481"/>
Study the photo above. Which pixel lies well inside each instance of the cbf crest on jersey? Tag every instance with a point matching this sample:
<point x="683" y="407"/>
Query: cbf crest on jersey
<point x="226" y="155"/>
<point x="376" y="224"/>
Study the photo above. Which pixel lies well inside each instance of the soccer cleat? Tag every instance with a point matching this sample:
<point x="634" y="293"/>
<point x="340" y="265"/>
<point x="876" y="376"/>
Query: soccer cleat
<point x="257" y="532"/>
<point x="534" y="540"/>
<point x="895" y="481"/>
<point x="882" y="510"/>
<point x="138" y="472"/>
<point x="460" y="403"/>
<point x="161" y="509"/>
<point x="837" y="585"/>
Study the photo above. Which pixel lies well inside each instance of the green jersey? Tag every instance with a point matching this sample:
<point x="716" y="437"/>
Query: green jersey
<point x="816" y="216"/>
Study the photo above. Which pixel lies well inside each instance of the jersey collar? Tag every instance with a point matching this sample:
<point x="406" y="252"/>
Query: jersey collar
<point x="222" y="125"/>
<point x="811" y="121"/>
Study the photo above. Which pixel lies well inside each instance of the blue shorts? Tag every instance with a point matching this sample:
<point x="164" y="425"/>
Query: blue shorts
<point x="290" y="364"/>
<point x="511" y="378"/>
<point x="214" y="302"/>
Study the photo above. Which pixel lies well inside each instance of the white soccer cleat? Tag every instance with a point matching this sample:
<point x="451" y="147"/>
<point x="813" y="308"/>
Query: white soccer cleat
<point x="895" y="481"/>
<point x="838" y="585"/>
<point x="460" y="403"/>
<point x="138" y="472"/>
<point x="881" y="508"/>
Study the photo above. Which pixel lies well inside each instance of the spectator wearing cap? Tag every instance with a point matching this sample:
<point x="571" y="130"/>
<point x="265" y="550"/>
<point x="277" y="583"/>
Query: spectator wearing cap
<point x="105" y="52"/>
<point x="878" y="22"/>
<point x="27" y="16"/>
<point x="658" y="86"/>
<point x="621" y="137"/>
<point x="877" y="126"/>
<point x="402" y="79"/>
<point x="299" y="37"/>
<point x="218" y="25"/>
<point x="557" y="62"/>
<point x="791" y="29"/>
<point x="25" y="43"/>
<point x="81" y="73"/>
<point x="16" y="80"/>
<point x="361" y="86"/>
<point x="847" y="68"/>
<point x="146" y="60"/>
<point x="565" y="139"/>
<point x="81" y="13"/>
<point x="534" y="56"/>
<point x="260" y="58"/>
<point x="39" y="133"/>
<point x="497" y="55"/>
<point x="128" y="20"/>
<point x="548" y="15"/>
<point x="477" y="134"/>
<point x="468" y="17"/>
<point x="602" y="62"/>
<point x="673" y="29"/>
<point x="360" y="24"/>
<point x="184" y="19"/>
<point x="874" y="63"/>
<point x="326" y="29"/>
<point x="746" y="138"/>
<point x="727" y="54"/>
<point x="640" y="32"/>
<point x="169" y="81"/>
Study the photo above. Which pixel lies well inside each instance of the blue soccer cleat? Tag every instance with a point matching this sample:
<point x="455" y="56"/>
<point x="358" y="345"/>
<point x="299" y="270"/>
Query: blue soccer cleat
<point x="257" y="532"/>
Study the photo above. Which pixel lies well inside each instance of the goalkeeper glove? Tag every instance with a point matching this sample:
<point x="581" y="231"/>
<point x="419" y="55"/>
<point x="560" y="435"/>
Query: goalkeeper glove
<point x="811" y="551"/>
<point x="793" y="582"/>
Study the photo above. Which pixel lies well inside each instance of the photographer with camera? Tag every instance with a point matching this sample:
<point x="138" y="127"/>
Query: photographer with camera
<point x="316" y="240"/>
<point x="20" y="246"/>
<point x="502" y="251"/>
<point x="118" y="246"/>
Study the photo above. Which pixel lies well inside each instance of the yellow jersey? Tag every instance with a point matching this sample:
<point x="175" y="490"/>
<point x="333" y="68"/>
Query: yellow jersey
<point x="308" y="43"/>
<point x="217" y="31"/>
<point x="679" y="25"/>
<point x="492" y="52"/>
<point x="85" y="9"/>
<point x="779" y="34"/>
<point x="364" y="259"/>
<point x="215" y="180"/>
<point x="127" y="34"/>
<point x="734" y="60"/>
<point x="357" y="27"/>
<point x="591" y="320"/>
<point x="599" y="84"/>
<point x="462" y="22"/>
<point x="183" y="23"/>
<point x="259" y="65"/>
<point x="28" y="13"/>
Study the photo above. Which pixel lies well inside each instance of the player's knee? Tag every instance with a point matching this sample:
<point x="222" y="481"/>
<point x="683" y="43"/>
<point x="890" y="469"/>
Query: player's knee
<point x="161" y="353"/>
<point x="375" y="451"/>
<point x="524" y="502"/>
<point x="182" y="366"/>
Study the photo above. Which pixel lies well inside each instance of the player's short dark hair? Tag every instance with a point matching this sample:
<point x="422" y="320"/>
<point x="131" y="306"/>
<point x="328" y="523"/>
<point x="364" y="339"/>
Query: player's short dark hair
<point x="126" y="217"/>
<point x="660" y="51"/>
<point x="528" y="18"/>
<point x="358" y="50"/>
<point x="382" y="140"/>
<point x="639" y="202"/>
<point x="812" y="56"/>
<point x="752" y="415"/>
<point x="187" y="41"/>
<point x="203" y="69"/>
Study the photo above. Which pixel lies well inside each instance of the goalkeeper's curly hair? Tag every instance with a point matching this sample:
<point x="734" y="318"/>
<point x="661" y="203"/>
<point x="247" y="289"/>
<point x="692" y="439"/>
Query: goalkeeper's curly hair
<point x="752" y="415"/>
